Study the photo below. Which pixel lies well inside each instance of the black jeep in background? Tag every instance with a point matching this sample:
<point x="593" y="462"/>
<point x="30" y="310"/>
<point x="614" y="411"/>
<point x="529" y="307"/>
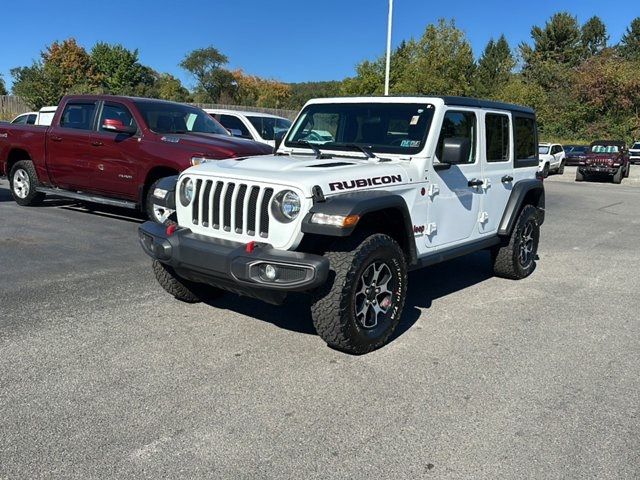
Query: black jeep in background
<point x="605" y="158"/>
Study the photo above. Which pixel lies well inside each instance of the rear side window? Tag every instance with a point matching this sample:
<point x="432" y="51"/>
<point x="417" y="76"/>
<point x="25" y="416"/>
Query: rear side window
<point x="458" y="125"/>
<point x="498" y="137"/>
<point x="526" y="146"/>
<point x="31" y="119"/>
<point x="234" y="125"/>
<point x="78" y="116"/>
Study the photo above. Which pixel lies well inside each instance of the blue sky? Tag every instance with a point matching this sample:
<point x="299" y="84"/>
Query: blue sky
<point x="287" y="40"/>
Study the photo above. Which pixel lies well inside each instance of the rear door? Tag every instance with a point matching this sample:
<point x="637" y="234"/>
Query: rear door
<point x="69" y="147"/>
<point x="497" y="169"/>
<point x="116" y="157"/>
<point x="454" y="193"/>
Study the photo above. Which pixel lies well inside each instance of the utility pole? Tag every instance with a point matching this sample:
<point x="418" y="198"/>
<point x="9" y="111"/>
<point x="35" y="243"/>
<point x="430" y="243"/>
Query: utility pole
<point x="388" y="67"/>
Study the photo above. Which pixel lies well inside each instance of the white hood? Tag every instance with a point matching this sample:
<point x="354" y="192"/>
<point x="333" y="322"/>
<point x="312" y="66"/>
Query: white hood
<point x="305" y="172"/>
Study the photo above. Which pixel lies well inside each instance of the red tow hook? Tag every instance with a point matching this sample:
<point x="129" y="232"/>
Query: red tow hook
<point x="250" y="247"/>
<point x="171" y="229"/>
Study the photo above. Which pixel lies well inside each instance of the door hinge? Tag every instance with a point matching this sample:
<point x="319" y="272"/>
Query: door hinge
<point x="483" y="217"/>
<point x="430" y="229"/>
<point x="433" y="190"/>
<point x="487" y="183"/>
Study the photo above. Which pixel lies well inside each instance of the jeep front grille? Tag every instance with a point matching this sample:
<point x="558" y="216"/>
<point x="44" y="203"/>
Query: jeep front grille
<point x="232" y="207"/>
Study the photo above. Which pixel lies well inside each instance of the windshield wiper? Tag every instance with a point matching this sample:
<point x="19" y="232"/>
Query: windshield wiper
<point x="363" y="148"/>
<point x="313" y="147"/>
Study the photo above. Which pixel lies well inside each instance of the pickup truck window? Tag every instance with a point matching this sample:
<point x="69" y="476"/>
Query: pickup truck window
<point x="166" y="117"/>
<point x="232" y="123"/>
<point x="116" y="111"/>
<point x="267" y="127"/>
<point x="383" y="127"/>
<point x="78" y="116"/>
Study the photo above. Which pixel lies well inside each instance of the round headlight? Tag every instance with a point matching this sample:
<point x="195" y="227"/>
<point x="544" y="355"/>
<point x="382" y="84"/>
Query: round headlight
<point x="286" y="206"/>
<point x="186" y="192"/>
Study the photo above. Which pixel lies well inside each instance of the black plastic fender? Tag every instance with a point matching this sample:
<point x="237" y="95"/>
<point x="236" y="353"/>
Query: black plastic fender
<point x="360" y="203"/>
<point x="169" y="184"/>
<point x="521" y="189"/>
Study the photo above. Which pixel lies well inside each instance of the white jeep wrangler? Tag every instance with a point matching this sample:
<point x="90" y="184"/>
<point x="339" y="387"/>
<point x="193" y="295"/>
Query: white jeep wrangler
<point x="389" y="185"/>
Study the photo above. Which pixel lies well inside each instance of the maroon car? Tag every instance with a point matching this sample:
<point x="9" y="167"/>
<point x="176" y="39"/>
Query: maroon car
<point x="605" y="158"/>
<point x="112" y="150"/>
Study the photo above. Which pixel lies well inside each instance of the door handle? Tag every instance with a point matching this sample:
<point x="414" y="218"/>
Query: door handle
<point x="507" y="179"/>
<point x="97" y="143"/>
<point x="55" y="138"/>
<point x="475" y="182"/>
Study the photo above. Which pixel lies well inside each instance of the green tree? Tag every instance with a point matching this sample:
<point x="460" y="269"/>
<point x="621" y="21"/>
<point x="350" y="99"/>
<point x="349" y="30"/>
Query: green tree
<point x="118" y="71"/>
<point x="3" y="88"/>
<point x="559" y="41"/>
<point x="206" y="65"/>
<point x="594" y="36"/>
<point x="169" y="87"/>
<point x="494" y="67"/>
<point x="630" y="43"/>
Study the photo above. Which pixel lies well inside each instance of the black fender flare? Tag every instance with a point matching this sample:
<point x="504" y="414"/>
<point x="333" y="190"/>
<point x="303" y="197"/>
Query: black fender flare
<point x="361" y="204"/>
<point x="532" y="188"/>
<point x="169" y="184"/>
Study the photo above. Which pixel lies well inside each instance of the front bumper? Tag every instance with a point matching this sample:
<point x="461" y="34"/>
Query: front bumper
<point x="230" y="265"/>
<point x="634" y="158"/>
<point x="598" y="169"/>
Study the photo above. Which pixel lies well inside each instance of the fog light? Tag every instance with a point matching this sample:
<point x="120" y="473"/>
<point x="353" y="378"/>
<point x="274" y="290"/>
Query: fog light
<point x="270" y="272"/>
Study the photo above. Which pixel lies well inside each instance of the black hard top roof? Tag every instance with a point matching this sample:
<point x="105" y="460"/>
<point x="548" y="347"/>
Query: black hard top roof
<point x="605" y="143"/>
<point x="490" y="104"/>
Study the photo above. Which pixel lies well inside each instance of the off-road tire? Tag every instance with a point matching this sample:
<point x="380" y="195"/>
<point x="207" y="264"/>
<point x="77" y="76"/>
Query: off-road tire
<point x="148" y="206"/>
<point x="627" y="170"/>
<point x="334" y="304"/>
<point x="561" y="168"/>
<point x="180" y="288"/>
<point x="579" y="176"/>
<point x="21" y="169"/>
<point x="545" y="170"/>
<point x="617" y="177"/>
<point x="506" y="259"/>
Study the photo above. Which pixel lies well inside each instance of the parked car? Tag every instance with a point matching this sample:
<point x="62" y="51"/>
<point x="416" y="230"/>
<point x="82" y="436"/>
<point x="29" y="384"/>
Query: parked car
<point x="112" y="150"/>
<point x="575" y="153"/>
<point x="634" y="153"/>
<point x="605" y="158"/>
<point x="261" y="127"/>
<point x="405" y="183"/>
<point x="551" y="158"/>
<point x="42" y="117"/>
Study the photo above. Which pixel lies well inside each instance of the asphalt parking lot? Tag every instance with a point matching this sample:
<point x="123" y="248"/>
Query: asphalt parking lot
<point x="103" y="375"/>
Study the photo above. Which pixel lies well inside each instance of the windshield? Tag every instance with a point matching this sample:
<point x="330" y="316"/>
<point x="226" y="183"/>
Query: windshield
<point x="543" y="149"/>
<point x="604" y="149"/>
<point x="400" y="128"/>
<point x="267" y="127"/>
<point x="636" y="146"/>
<point x="578" y="149"/>
<point x="165" y="117"/>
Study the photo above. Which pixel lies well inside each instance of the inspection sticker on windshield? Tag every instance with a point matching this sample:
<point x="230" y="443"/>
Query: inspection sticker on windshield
<point x="410" y="143"/>
<point x="414" y="120"/>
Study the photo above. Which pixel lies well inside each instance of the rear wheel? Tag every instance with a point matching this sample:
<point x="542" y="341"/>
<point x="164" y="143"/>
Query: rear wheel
<point x="24" y="182"/>
<point x="517" y="259"/>
<point x="358" y="309"/>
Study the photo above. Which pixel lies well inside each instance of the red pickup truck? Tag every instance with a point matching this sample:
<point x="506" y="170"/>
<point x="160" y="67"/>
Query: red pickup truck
<point x="112" y="150"/>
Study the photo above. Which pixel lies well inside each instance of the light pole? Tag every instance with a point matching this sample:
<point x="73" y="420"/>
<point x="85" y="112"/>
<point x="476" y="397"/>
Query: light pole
<point x="388" y="66"/>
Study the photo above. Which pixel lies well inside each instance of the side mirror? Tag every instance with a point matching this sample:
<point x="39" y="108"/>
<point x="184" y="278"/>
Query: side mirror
<point x="116" y="126"/>
<point x="235" y="132"/>
<point x="455" y="150"/>
<point x="278" y="137"/>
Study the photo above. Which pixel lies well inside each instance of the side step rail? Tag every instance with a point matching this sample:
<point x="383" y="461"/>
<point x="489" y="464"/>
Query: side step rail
<point x="87" y="197"/>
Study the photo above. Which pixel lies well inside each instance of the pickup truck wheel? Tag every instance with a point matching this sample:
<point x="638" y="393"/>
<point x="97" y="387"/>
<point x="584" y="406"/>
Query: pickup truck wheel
<point x="24" y="181"/>
<point x="154" y="212"/>
<point x="617" y="177"/>
<point x="180" y="288"/>
<point x="359" y="308"/>
<point x="517" y="259"/>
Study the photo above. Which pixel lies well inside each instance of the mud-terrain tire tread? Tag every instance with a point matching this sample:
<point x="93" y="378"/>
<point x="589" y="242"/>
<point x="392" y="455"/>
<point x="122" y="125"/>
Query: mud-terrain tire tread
<point x="579" y="176"/>
<point x="505" y="263"/>
<point x="331" y="303"/>
<point x="617" y="177"/>
<point x="33" y="198"/>
<point x="181" y="289"/>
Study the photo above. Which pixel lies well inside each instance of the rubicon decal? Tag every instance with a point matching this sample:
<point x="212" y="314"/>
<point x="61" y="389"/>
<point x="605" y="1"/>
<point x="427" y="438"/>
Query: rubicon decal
<point x="365" y="182"/>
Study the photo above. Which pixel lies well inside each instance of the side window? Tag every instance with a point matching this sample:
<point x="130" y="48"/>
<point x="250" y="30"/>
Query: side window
<point x="498" y="138"/>
<point x="21" y="120"/>
<point x="525" y="141"/>
<point x="235" y="125"/>
<point x="31" y="119"/>
<point x="78" y="116"/>
<point x="116" y="111"/>
<point x="459" y="125"/>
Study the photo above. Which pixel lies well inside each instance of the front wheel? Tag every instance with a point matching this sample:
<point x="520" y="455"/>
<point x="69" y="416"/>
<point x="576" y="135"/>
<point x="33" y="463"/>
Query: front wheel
<point x="360" y="306"/>
<point x="580" y="177"/>
<point x="24" y="182"/>
<point x="545" y="170"/>
<point x="156" y="213"/>
<point x="517" y="259"/>
<point x="561" y="168"/>
<point x="617" y="177"/>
